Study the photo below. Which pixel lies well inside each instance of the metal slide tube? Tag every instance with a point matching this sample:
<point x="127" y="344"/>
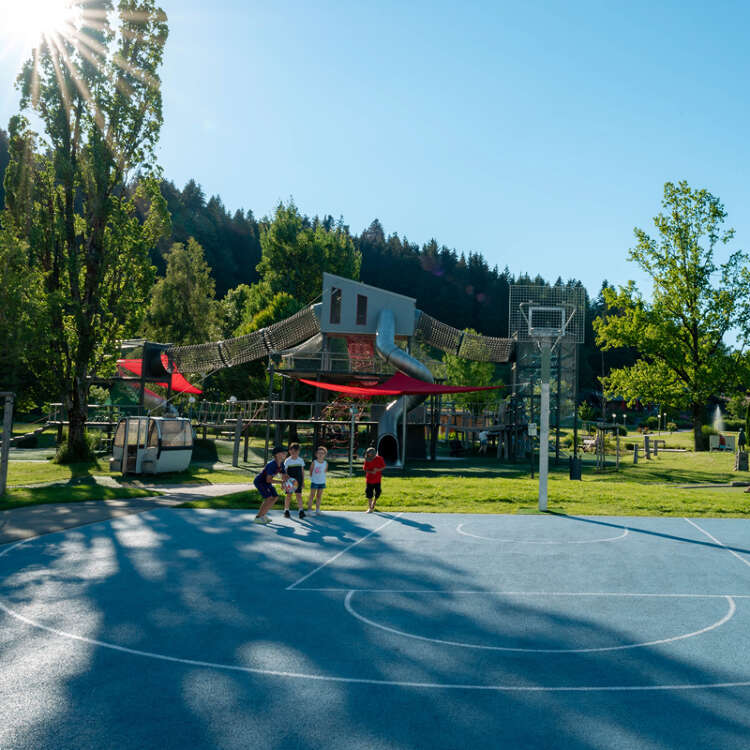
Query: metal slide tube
<point x="388" y="350"/>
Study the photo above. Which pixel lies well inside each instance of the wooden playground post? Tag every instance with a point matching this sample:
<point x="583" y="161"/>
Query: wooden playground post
<point x="353" y="411"/>
<point x="268" y="408"/>
<point x="237" y="438"/>
<point x="617" y="448"/>
<point x="7" y="429"/>
<point x="403" y="434"/>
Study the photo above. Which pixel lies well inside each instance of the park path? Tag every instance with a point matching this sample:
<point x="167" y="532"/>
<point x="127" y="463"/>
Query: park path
<point x="34" y="520"/>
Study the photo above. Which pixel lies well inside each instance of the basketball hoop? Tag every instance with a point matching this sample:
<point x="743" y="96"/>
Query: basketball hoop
<point x="546" y="316"/>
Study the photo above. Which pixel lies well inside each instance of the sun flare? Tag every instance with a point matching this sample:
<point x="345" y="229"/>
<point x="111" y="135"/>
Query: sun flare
<point x="30" y="21"/>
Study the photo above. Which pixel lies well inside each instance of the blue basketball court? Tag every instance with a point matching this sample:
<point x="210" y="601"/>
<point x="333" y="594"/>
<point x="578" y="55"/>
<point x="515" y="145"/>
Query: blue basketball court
<point x="190" y="628"/>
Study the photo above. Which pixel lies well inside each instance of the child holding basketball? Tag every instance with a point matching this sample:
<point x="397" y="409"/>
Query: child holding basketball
<point x="373" y="467"/>
<point x="318" y="469"/>
<point x="263" y="483"/>
<point x="294" y="466"/>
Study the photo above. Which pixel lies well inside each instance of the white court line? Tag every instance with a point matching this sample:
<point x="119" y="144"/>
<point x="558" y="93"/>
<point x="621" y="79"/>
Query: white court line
<point x="462" y="644"/>
<point x="721" y="544"/>
<point x="362" y="680"/>
<point x="459" y="592"/>
<point x="342" y="552"/>
<point x="367" y="681"/>
<point x="460" y="530"/>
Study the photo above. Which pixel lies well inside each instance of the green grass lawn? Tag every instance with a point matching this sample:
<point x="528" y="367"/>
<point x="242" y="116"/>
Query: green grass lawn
<point x="34" y="472"/>
<point x="77" y="482"/>
<point x="19" y="497"/>
<point x="483" y="486"/>
<point x="471" y="485"/>
<point x="508" y="495"/>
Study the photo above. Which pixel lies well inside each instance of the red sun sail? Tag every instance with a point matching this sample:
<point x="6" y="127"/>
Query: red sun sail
<point x="179" y="384"/>
<point x="398" y="385"/>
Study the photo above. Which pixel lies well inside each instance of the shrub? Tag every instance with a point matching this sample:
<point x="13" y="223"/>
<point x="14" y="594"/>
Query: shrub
<point x="64" y="456"/>
<point x="733" y="425"/>
<point x="671" y="427"/>
<point x="652" y="422"/>
<point x="622" y="430"/>
<point x="586" y="412"/>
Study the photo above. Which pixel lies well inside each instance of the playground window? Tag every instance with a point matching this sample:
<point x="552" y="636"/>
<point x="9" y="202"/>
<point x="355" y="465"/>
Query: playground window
<point x="176" y="434"/>
<point x="335" y="305"/>
<point x="361" y="310"/>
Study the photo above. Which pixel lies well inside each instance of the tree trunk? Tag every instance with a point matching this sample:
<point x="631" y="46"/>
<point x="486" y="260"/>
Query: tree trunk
<point x="77" y="446"/>
<point x="698" y="442"/>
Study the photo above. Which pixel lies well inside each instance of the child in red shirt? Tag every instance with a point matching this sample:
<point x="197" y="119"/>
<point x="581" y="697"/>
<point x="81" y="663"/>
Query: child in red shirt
<point x="374" y="466"/>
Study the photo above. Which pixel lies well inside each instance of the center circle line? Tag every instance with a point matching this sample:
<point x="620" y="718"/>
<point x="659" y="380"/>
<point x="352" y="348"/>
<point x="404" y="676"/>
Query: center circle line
<point x="461" y="530"/>
<point x="462" y="644"/>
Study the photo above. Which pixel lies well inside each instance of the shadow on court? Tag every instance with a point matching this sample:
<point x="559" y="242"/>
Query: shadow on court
<point x="210" y="587"/>
<point x="634" y="528"/>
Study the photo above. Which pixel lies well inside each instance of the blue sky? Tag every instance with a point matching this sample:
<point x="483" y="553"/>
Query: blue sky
<point x="537" y="133"/>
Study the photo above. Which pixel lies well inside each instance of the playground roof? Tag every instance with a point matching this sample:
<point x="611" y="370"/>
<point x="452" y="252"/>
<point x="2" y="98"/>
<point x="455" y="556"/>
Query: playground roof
<point x="397" y="385"/>
<point x="179" y="384"/>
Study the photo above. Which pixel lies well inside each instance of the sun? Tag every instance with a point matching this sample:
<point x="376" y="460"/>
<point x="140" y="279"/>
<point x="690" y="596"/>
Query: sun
<point x="29" y="21"/>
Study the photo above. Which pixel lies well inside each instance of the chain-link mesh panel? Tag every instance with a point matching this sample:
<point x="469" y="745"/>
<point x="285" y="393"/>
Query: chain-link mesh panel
<point x="485" y="348"/>
<point x="299" y="327"/>
<point x="554" y="307"/>
<point x="438" y="334"/>
<point x="242" y="349"/>
<point x="196" y="358"/>
<point x="255" y="345"/>
<point x="464" y="344"/>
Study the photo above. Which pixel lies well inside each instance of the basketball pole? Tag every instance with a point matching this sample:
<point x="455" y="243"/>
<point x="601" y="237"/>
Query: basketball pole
<point x="546" y="345"/>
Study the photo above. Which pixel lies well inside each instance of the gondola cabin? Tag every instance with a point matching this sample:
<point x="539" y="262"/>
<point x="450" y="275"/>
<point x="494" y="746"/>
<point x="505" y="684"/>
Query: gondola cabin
<point x="152" y="445"/>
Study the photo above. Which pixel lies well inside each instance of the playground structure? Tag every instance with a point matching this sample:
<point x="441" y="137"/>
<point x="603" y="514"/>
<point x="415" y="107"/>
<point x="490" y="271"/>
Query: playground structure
<point x="357" y="334"/>
<point x="357" y="337"/>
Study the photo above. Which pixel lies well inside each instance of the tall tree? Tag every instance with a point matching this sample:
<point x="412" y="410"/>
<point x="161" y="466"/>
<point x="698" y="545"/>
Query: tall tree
<point x="182" y="308"/>
<point x="4" y="159"/>
<point x="296" y="252"/>
<point x="96" y="91"/>
<point x="679" y="333"/>
<point x="23" y="366"/>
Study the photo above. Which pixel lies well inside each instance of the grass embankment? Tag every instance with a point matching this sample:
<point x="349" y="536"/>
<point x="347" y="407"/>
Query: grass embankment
<point x="481" y="486"/>
<point x="19" y="497"/>
<point x="42" y="482"/>
<point x="473" y="485"/>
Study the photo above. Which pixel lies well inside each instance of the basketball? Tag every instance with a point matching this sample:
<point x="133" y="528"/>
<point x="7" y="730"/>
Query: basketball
<point x="290" y="485"/>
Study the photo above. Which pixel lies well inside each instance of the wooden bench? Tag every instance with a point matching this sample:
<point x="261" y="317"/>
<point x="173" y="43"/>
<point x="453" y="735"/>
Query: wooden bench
<point x="456" y="449"/>
<point x="590" y="444"/>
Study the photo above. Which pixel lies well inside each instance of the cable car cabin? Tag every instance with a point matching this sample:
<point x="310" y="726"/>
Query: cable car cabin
<point x="152" y="445"/>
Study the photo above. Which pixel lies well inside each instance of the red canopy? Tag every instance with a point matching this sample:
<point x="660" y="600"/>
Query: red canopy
<point x="179" y="384"/>
<point x="398" y="385"/>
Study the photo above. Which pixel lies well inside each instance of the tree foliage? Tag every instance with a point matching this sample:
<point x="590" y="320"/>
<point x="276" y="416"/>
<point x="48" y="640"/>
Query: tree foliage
<point x="280" y="306"/>
<point x="97" y="95"/>
<point x="22" y="323"/>
<point x="459" y="371"/>
<point x="230" y="242"/>
<point x="695" y="302"/>
<point x="183" y="309"/>
<point x="295" y="252"/>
